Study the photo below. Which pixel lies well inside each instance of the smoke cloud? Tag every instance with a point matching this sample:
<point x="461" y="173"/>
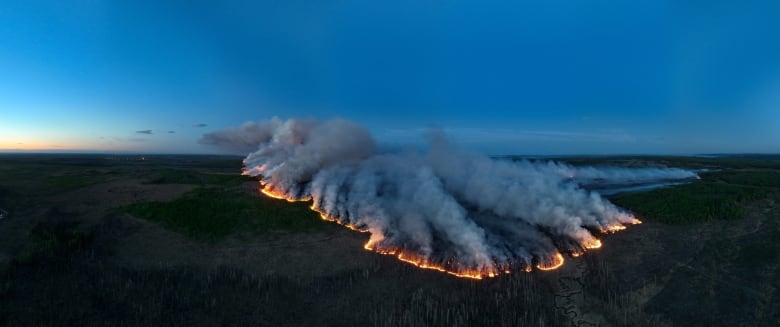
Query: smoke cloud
<point x="443" y="208"/>
<point x="245" y="138"/>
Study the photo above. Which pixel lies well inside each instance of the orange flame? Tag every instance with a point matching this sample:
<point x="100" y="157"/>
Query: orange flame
<point x="279" y="195"/>
<point x="268" y="192"/>
<point x="613" y="228"/>
<point x="556" y="263"/>
<point x="593" y="244"/>
<point x="452" y="269"/>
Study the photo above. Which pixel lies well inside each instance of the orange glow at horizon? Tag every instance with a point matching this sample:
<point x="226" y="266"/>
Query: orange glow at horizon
<point x="64" y="144"/>
<point x="33" y="145"/>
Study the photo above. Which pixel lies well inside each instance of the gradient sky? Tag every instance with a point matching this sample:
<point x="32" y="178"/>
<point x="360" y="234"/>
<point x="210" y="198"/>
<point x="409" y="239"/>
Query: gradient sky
<point x="523" y="77"/>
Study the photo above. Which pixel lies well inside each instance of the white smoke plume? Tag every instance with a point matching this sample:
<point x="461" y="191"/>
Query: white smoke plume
<point x="244" y="138"/>
<point x="445" y="209"/>
<point x="619" y="175"/>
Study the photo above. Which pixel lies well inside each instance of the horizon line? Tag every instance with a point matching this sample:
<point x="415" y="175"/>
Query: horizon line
<point x="135" y="153"/>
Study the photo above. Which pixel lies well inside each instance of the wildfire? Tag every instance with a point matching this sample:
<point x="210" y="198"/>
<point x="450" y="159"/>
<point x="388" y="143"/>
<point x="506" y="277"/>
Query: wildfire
<point x="613" y="228"/>
<point x="450" y="268"/>
<point x="325" y="217"/>
<point x="423" y="263"/>
<point x="269" y="192"/>
<point x="278" y="195"/>
<point x="556" y="263"/>
<point x="593" y="244"/>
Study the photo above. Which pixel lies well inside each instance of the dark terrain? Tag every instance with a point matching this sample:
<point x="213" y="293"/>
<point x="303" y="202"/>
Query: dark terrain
<point x="185" y="240"/>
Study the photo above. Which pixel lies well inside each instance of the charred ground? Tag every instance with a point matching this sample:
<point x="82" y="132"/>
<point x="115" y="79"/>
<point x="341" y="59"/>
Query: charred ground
<point x="185" y="240"/>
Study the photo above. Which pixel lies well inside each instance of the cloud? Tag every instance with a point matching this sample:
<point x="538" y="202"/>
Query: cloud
<point x="199" y="125"/>
<point x="146" y="131"/>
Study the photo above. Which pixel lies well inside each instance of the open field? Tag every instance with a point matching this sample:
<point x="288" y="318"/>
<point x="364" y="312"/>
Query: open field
<point x="186" y="240"/>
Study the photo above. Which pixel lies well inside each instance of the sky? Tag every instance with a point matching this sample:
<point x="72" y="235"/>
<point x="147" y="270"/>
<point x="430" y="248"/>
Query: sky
<point x="500" y="77"/>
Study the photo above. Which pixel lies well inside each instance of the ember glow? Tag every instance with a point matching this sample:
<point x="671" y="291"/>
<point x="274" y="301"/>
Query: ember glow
<point x="268" y="191"/>
<point x="555" y="263"/>
<point x="442" y="209"/>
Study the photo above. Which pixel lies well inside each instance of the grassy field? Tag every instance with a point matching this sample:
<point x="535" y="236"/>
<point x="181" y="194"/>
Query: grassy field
<point x="211" y="213"/>
<point x="182" y="176"/>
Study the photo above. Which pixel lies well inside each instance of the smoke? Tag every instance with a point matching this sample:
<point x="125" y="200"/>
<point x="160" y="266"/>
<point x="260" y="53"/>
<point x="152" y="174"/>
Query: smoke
<point x="245" y="138"/>
<point x="619" y="175"/>
<point x="445" y="209"/>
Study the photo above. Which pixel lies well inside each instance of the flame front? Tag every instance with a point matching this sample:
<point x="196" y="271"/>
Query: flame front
<point x="593" y="244"/>
<point x="454" y="269"/>
<point x="555" y="263"/>
<point x="423" y="263"/>
<point x="443" y="209"/>
<point x="280" y="196"/>
<point x="265" y="189"/>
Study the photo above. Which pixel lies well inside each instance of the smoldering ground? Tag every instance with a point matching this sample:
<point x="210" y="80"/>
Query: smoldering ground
<point x="442" y="208"/>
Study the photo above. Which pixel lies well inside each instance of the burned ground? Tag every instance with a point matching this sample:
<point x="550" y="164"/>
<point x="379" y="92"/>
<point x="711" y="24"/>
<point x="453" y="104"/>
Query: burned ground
<point x="105" y="240"/>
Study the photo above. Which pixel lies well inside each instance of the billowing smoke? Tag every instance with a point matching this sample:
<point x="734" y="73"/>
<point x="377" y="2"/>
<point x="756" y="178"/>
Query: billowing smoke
<point x="244" y="138"/>
<point x="445" y="209"/>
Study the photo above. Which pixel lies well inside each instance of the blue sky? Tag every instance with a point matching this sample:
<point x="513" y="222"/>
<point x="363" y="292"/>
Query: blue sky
<point x="501" y="77"/>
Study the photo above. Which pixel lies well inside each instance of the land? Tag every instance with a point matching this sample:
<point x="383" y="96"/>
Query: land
<point x="186" y="240"/>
